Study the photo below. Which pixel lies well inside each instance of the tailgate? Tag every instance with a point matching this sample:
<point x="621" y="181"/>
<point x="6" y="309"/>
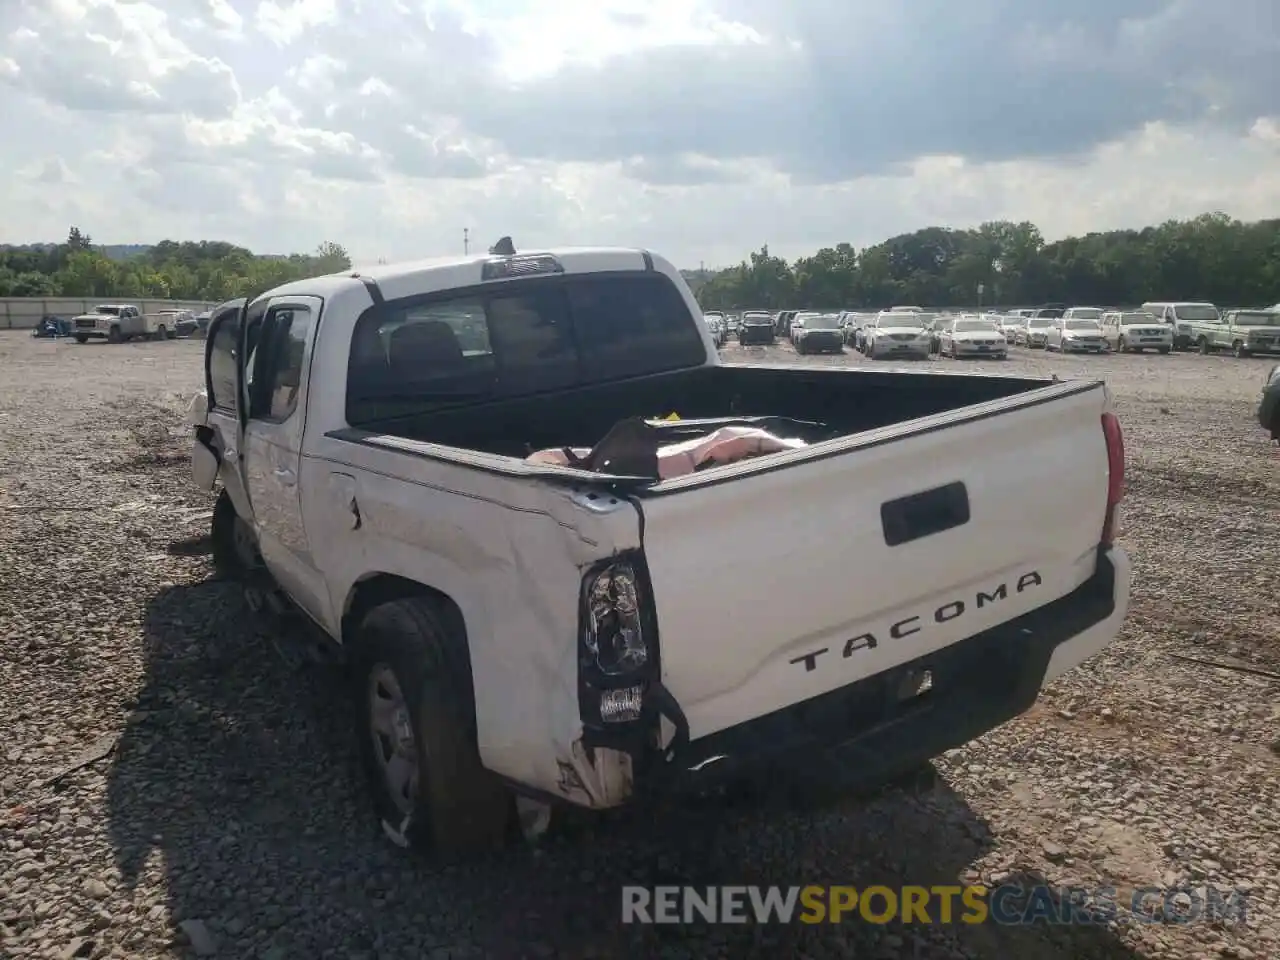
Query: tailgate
<point x="776" y="581"/>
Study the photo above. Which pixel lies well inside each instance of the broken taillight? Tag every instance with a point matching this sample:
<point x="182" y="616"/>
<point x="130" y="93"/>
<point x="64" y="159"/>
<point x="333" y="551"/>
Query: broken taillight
<point x="1115" y="476"/>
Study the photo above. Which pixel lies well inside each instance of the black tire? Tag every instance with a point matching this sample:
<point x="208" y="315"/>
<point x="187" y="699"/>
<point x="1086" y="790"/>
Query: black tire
<point x="113" y="335"/>
<point x="81" y="339"/>
<point x="1238" y="348"/>
<point x="1122" y="345"/>
<point x="1164" y="351"/>
<point x="459" y="808"/>
<point x="1204" y="346"/>
<point x="233" y="556"/>
<point x="162" y="332"/>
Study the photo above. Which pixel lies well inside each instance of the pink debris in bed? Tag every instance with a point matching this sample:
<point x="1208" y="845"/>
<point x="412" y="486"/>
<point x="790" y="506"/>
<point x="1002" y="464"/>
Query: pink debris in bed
<point x="724" y="446"/>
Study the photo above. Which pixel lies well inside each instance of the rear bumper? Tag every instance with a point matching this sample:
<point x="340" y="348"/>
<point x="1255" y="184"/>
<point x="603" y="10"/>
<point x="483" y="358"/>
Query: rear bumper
<point x="746" y="338"/>
<point x="977" y="685"/>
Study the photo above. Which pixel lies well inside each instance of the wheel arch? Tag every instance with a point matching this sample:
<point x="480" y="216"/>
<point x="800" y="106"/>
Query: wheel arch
<point x="376" y="588"/>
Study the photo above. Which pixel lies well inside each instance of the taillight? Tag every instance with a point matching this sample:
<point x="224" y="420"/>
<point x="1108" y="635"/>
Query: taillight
<point x="617" y="642"/>
<point x="1115" y="475"/>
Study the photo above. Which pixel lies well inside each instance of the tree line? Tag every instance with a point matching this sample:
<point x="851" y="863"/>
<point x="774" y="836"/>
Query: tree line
<point x="1211" y="257"/>
<point x="1001" y="263"/>
<point x="204" y="270"/>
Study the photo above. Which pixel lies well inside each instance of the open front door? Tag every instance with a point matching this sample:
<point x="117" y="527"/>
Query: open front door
<point x="222" y="371"/>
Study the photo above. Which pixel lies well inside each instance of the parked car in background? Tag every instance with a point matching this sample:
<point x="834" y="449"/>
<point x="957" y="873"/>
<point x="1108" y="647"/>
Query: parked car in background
<point x="1182" y="318"/>
<point x="716" y="324"/>
<point x="180" y="323"/>
<point x="933" y="323"/>
<point x="1034" y="333"/>
<point x="1011" y="326"/>
<point x="972" y="337"/>
<point x="797" y="323"/>
<point x="1243" y="332"/>
<point x="51" y="326"/>
<point x="756" y="329"/>
<point x="1134" y="331"/>
<point x="898" y="334"/>
<point x="853" y="321"/>
<point x="782" y="322"/>
<point x="820" y="334"/>
<point x="1075" y="336"/>
<point x="720" y="331"/>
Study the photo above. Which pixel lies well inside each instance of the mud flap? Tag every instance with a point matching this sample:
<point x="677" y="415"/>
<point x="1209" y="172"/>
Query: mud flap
<point x="205" y="465"/>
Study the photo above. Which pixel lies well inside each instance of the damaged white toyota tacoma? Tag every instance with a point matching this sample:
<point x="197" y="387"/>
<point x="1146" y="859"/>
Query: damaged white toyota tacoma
<point x="511" y="487"/>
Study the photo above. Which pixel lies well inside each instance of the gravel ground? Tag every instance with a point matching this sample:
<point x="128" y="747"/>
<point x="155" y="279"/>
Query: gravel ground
<point x="168" y="786"/>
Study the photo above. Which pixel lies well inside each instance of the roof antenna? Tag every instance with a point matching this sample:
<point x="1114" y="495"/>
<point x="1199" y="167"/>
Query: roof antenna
<point x="503" y="248"/>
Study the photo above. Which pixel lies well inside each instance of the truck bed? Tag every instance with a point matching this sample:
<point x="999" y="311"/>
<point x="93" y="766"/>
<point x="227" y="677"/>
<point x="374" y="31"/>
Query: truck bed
<point x="849" y="401"/>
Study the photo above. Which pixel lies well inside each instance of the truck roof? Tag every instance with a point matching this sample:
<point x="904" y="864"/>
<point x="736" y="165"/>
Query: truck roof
<point x="404" y="279"/>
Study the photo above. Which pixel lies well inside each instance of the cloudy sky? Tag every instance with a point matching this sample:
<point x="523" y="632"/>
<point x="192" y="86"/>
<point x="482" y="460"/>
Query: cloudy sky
<point x="699" y="129"/>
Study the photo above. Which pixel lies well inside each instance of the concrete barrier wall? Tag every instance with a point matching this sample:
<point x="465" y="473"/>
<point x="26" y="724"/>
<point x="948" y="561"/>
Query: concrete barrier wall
<point x="23" y="313"/>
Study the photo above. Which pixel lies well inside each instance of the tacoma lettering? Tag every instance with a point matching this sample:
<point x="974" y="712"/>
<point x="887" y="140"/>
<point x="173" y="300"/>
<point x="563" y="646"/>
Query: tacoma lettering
<point x="945" y="613"/>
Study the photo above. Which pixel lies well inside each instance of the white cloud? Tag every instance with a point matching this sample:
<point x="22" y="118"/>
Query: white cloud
<point x="700" y="129"/>
<point x="100" y="56"/>
<point x="283" y="23"/>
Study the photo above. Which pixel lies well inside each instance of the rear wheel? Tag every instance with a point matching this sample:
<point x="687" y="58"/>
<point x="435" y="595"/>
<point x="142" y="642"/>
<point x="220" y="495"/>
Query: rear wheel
<point x="1239" y="349"/>
<point x="81" y="339"/>
<point x="1204" y="345"/>
<point x="113" y="335"/>
<point x="1163" y="350"/>
<point x="416" y="727"/>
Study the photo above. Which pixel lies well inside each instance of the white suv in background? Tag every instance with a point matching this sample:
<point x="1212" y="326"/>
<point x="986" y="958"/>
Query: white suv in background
<point x="1135" y="331"/>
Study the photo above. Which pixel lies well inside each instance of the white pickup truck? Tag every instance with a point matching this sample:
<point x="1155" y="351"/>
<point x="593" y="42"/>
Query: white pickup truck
<point x="120" y="322"/>
<point x="527" y="629"/>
